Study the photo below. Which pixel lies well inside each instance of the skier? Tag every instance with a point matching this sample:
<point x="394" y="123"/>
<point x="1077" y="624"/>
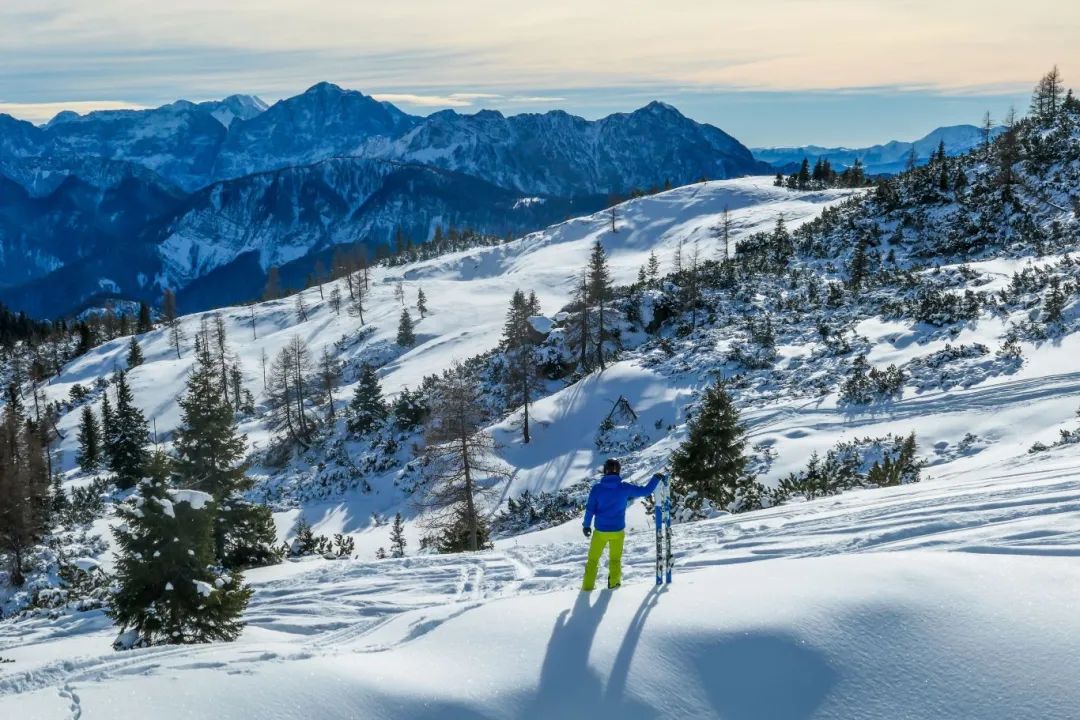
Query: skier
<point x="607" y="503"/>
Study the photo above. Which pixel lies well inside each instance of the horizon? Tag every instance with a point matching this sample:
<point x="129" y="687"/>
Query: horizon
<point x="41" y="114"/>
<point x="846" y="73"/>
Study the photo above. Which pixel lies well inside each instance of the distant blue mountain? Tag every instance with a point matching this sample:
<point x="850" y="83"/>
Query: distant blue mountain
<point x="123" y="203"/>
<point x="887" y="159"/>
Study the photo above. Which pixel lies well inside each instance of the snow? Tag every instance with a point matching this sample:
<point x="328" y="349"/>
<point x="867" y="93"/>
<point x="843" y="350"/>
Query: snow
<point x="203" y="588"/>
<point x="196" y="499"/>
<point x="954" y="598"/>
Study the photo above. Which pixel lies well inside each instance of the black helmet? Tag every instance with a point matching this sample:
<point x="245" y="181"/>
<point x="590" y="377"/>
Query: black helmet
<point x="612" y="467"/>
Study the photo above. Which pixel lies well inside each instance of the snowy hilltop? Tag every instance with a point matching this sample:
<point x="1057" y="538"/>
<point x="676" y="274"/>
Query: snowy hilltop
<point x="368" y="493"/>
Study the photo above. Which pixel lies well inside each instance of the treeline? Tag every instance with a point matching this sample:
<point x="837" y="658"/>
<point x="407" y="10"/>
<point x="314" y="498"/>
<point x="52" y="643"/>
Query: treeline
<point x="824" y="175"/>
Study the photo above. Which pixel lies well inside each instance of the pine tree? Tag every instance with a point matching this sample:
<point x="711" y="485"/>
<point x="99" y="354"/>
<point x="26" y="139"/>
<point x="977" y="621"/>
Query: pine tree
<point x="134" y="356"/>
<point x="397" y="537"/>
<point x="145" y="324"/>
<point x="520" y="347"/>
<point x="1054" y="305"/>
<point x="367" y="410"/>
<point x="599" y="294"/>
<point x="209" y="452"/>
<point x="406" y="337"/>
<point x="803" y="179"/>
<point x="652" y="269"/>
<point x="127" y="446"/>
<point x="421" y="303"/>
<point x="89" y="453"/>
<point x="168" y="590"/>
<point x="710" y="464"/>
<point x="108" y="430"/>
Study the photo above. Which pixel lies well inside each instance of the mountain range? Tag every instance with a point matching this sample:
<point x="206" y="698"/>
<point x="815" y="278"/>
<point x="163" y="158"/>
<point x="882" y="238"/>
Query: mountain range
<point x="124" y="203"/>
<point x="884" y="159"/>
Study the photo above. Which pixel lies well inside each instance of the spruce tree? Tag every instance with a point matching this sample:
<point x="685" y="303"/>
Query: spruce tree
<point x="89" y="454"/>
<point x="711" y="464"/>
<point x="168" y="590"/>
<point x="209" y="454"/>
<point x="367" y="410"/>
<point x="127" y="446"/>
<point x="520" y="347"/>
<point x="599" y="294"/>
<point x="397" y="537"/>
<point x="406" y="337"/>
<point x="145" y="324"/>
<point x="421" y="303"/>
<point x="108" y="430"/>
<point x="134" y="356"/>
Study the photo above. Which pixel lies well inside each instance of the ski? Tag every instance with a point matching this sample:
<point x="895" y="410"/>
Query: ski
<point x="658" y="515"/>
<point x="667" y="528"/>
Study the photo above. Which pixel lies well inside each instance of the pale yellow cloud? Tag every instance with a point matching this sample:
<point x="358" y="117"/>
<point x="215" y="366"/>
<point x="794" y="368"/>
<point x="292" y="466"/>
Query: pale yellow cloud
<point x="513" y="44"/>
<point x="451" y="100"/>
<point x="39" y="113"/>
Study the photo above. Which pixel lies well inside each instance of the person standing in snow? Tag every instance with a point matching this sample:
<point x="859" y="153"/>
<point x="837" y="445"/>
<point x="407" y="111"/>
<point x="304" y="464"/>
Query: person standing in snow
<point x="607" y="506"/>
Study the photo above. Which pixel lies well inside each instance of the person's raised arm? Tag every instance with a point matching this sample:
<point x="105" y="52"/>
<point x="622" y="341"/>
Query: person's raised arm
<point x="647" y="488"/>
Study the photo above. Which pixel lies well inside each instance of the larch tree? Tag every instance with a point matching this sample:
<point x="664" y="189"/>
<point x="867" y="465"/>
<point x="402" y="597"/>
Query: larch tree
<point x="329" y="374"/>
<point x="458" y="456"/>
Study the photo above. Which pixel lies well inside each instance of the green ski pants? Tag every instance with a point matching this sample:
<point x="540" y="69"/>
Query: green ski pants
<point x="600" y="540"/>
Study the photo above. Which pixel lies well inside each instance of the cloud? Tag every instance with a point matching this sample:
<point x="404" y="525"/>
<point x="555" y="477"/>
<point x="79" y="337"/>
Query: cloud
<point x="423" y="100"/>
<point x="534" y="99"/>
<point x="39" y="113"/>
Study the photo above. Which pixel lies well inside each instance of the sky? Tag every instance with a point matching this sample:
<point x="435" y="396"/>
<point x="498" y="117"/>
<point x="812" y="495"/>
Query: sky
<point x="770" y="72"/>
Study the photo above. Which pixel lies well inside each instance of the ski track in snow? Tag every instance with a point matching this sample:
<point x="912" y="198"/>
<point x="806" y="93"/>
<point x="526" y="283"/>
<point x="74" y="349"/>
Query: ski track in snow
<point x="320" y="607"/>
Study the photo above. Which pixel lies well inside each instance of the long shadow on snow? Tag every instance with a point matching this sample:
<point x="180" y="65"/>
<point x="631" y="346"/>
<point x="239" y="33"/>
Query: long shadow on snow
<point x="568" y="687"/>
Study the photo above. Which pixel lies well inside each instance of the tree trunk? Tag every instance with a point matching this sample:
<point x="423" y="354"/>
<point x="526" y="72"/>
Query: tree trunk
<point x="470" y="505"/>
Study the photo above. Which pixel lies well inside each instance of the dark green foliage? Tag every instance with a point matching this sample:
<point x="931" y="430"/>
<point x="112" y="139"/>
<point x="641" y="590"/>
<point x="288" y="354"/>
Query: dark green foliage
<point x="540" y="510"/>
<point x="125" y="444"/>
<point x="457" y="536"/>
<point x="711" y="463"/>
<point x="168" y="590"/>
<point x="209" y="454"/>
<point x="135" y="355"/>
<point x="308" y="543"/>
<point x="144" y="323"/>
<point x="870" y="462"/>
<point x="866" y="384"/>
<point x="397" y="537"/>
<point x="519" y="345"/>
<point x="367" y="410"/>
<point x="406" y="336"/>
<point x="89" y="454"/>
<point x="410" y="409"/>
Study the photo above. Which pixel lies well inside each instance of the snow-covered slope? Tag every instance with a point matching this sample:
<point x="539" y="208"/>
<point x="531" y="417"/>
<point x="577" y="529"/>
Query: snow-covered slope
<point x="950" y="600"/>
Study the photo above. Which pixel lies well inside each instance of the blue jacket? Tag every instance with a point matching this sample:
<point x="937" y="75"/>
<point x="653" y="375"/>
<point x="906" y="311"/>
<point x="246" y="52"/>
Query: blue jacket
<point x="608" y="499"/>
